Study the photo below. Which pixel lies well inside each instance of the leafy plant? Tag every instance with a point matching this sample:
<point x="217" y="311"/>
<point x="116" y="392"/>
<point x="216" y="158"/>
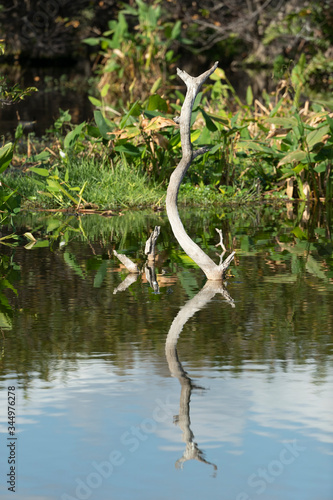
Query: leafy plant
<point x="137" y="50"/>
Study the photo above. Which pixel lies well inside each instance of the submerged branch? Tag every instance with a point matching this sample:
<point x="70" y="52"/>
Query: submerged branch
<point x="208" y="266"/>
<point x="127" y="262"/>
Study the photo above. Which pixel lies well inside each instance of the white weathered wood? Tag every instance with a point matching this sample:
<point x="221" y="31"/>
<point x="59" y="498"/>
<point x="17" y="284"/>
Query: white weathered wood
<point x="208" y="266"/>
<point x="151" y="242"/>
<point x="128" y="263"/>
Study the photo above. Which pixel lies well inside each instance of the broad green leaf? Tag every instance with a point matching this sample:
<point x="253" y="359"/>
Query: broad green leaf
<point x="156" y="85"/>
<point x="53" y="224"/>
<point x="174" y="141"/>
<point x="298" y="156"/>
<point x="214" y="149"/>
<point x="40" y="171"/>
<point x="300" y="187"/>
<point x="218" y="74"/>
<point x="30" y="236"/>
<point x="330" y="122"/>
<point x="205" y="137"/>
<point x="128" y="149"/>
<point x="6" y="155"/>
<point x="297" y="231"/>
<point x="218" y="119"/>
<point x="316" y="135"/>
<point x="209" y="122"/>
<point x="197" y="100"/>
<point x="30" y="245"/>
<point x="92" y="41"/>
<point x="94" y="101"/>
<point x="105" y="89"/>
<point x="72" y="136"/>
<point x="133" y="111"/>
<point x="93" y="132"/>
<point x="299" y="168"/>
<point x="195" y="135"/>
<point x="282" y="122"/>
<point x="313" y="267"/>
<point x="43" y="156"/>
<point x="41" y="244"/>
<point x="256" y="146"/>
<point x="54" y="186"/>
<point x="176" y="30"/>
<point x="6" y="284"/>
<point x="320" y="168"/>
<point x="157" y="102"/>
<point x="326" y="153"/>
<point x="103" y="127"/>
<point x="249" y="96"/>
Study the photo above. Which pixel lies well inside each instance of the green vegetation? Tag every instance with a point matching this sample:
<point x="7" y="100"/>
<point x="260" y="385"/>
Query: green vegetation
<point x="257" y="149"/>
<point x="276" y="145"/>
<point x="9" y="200"/>
<point x="136" y="62"/>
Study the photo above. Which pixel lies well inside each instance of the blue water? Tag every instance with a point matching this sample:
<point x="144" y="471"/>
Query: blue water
<point x="96" y="433"/>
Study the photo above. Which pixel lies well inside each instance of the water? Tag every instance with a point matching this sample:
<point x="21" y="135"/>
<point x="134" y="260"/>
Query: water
<point x="58" y="87"/>
<point x="193" y="392"/>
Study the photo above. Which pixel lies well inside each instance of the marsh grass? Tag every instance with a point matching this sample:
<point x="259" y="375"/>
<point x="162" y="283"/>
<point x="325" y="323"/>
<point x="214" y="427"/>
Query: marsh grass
<point x="106" y="187"/>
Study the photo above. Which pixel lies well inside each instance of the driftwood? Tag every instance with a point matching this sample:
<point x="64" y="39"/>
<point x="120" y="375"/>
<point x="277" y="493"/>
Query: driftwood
<point x="192" y="451"/>
<point x="133" y="268"/>
<point x="128" y="263"/>
<point x="151" y="242"/>
<point x="208" y="266"/>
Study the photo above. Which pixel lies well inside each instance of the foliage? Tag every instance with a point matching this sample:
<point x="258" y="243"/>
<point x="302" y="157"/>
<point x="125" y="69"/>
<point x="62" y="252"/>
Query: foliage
<point x="137" y="51"/>
<point x="273" y="145"/>
<point x="268" y="142"/>
<point x="10" y="94"/>
<point x="305" y="31"/>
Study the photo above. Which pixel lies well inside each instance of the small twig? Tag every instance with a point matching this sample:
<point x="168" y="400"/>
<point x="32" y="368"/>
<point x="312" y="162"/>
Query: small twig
<point x="219" y="231"/>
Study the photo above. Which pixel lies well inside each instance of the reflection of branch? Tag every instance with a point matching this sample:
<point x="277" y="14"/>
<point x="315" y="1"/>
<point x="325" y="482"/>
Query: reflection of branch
<point x="210" y="289"/>
<point x="150" y="252"/>
<point x="131" y="267"/>
<point x="130" y="278"/>
<point x="151" y="277"/>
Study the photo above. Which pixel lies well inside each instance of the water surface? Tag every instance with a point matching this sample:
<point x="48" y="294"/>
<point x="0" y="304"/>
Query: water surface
<point x="192" y="392"/>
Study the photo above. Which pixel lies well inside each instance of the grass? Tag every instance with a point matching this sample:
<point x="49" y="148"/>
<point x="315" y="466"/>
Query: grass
<point x="106" y="187"/>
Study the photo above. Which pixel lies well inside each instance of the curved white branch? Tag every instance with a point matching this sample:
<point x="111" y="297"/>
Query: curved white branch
<point x="208" y="266"/>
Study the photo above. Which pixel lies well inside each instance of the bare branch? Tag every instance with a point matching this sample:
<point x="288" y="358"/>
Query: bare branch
<point x="128" y="263"/>
<point x="211" y="270"/>
<point x="151" y="242"/>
